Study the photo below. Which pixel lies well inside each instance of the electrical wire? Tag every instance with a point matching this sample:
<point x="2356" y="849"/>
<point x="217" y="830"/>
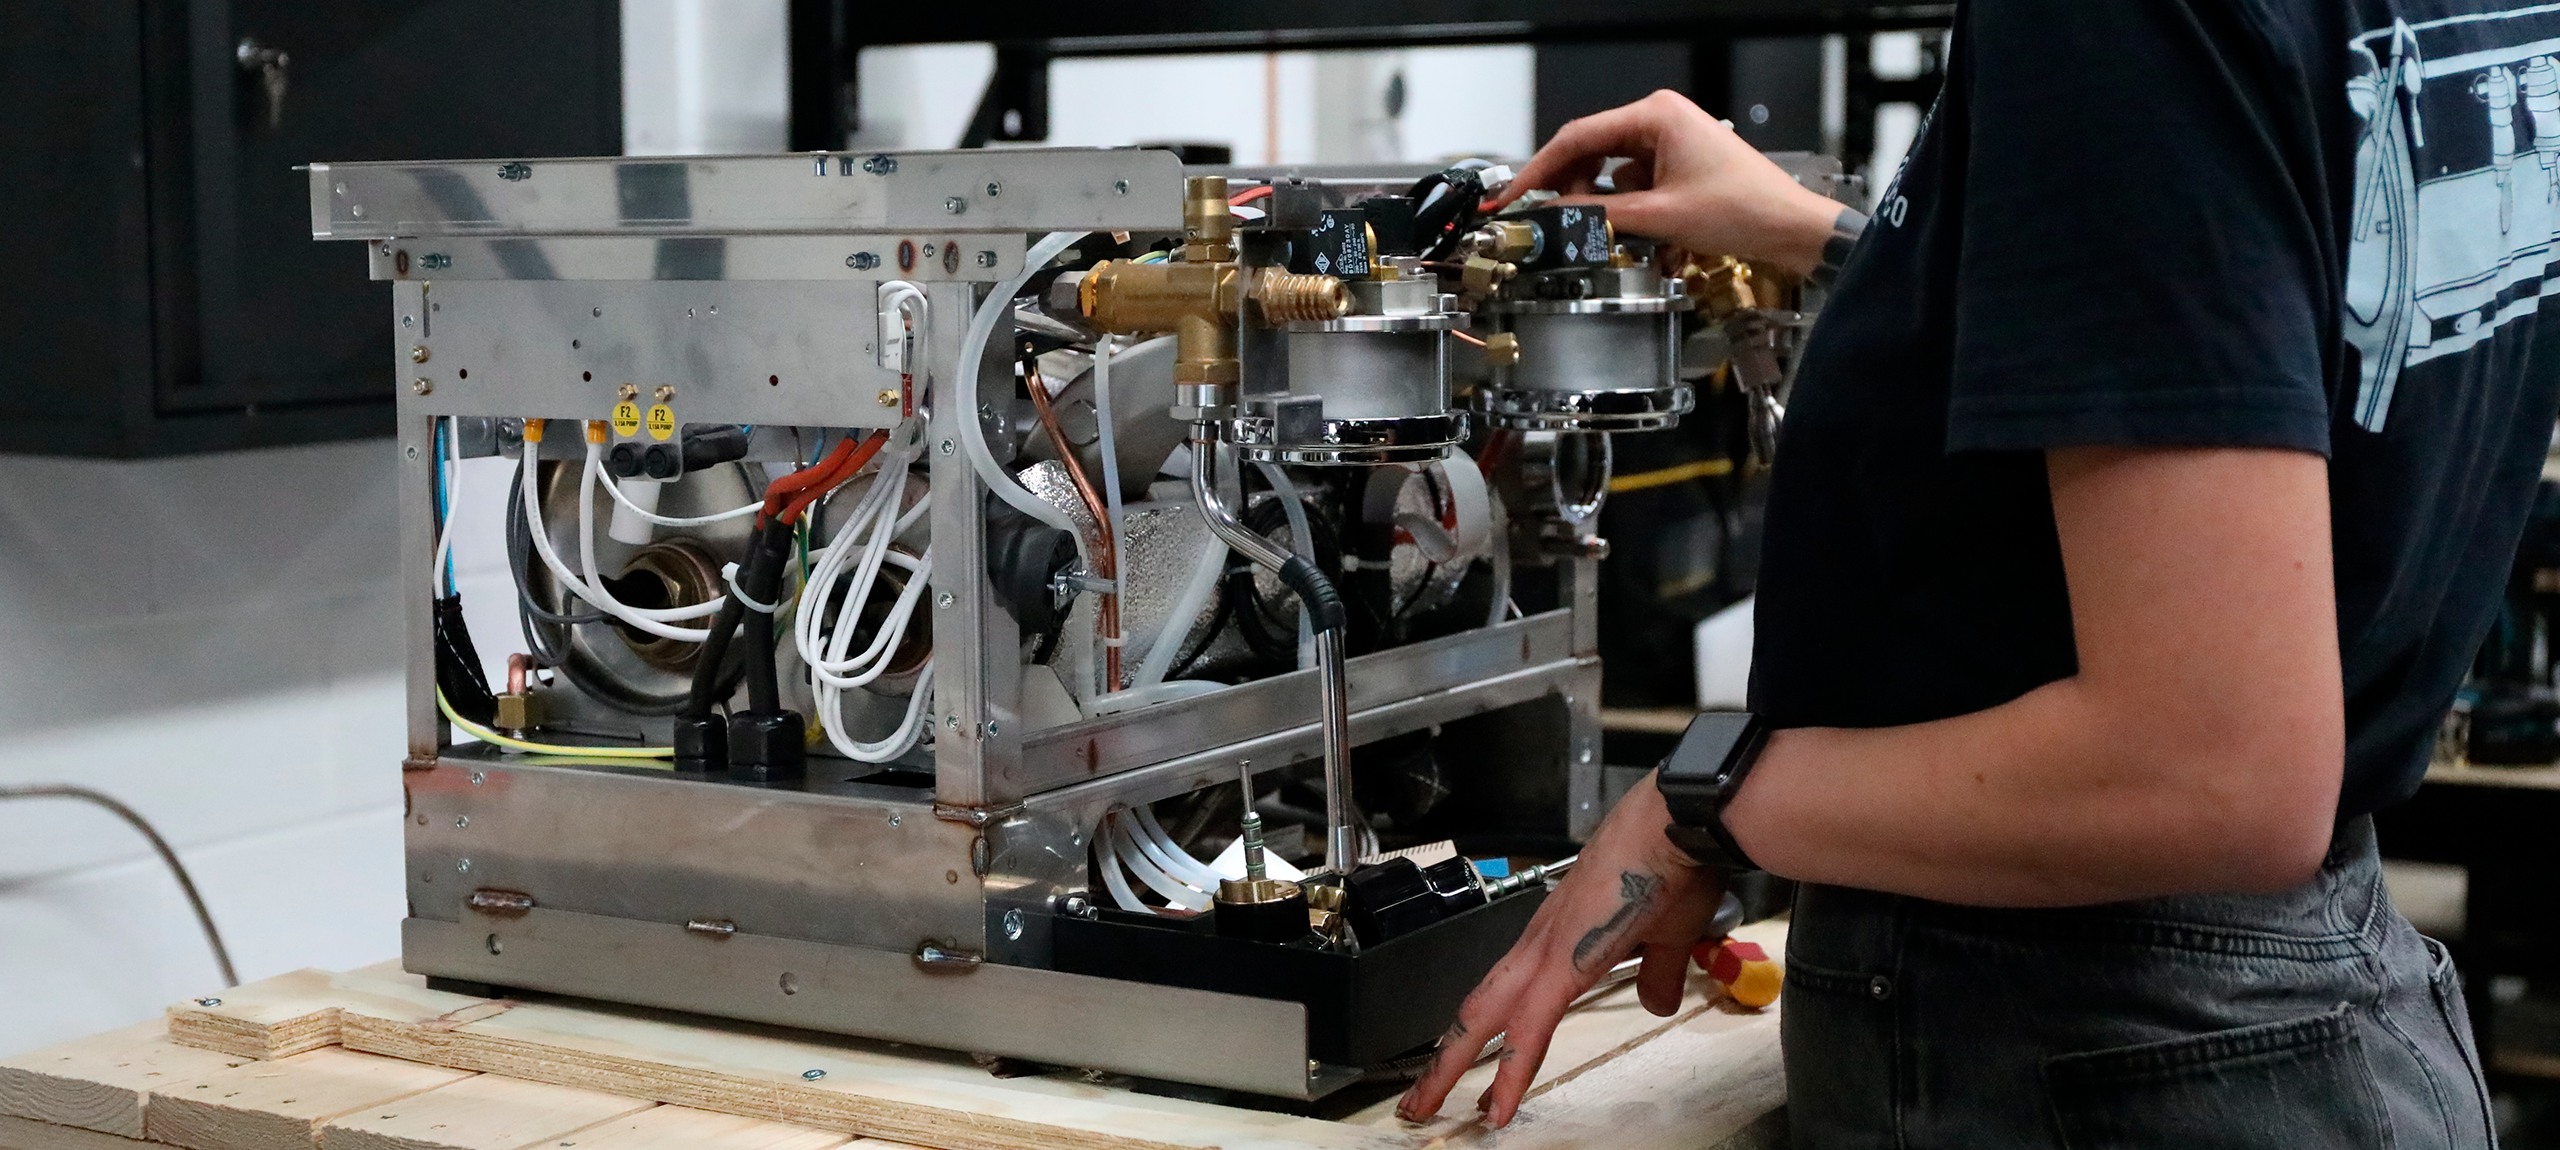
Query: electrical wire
<point x="448" y="478"/>
<point x="681" y="521"/>
<point x="508" y="742"/>
<point x="159" y="846"/>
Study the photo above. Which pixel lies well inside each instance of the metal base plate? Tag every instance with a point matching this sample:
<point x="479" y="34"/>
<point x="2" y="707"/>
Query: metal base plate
<point x="1410" y="439"/>
<point x="1537" y="409"/>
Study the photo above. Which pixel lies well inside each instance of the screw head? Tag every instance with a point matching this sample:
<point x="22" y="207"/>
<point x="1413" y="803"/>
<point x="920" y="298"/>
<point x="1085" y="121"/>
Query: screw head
<point x="951" y="723"/>
<point x="411" y="452"/>
<point x="408" y="321"/>
<point x="893" y="820"/>
<point x="461" y="821"/>
<point x="991" y="728"/>
<point x="463" y="867"/>
<point x="1120" y="186"/>
<point x="596" y="312"/>
<point x="208" y="1002"/>
<point x="666" y="393"/>
<point x="986" y="259"/>
<point x="419" y="354"/>
<point x="1012" y="925"/>
<point x="627" y="392"/>
<point x="477" y="778"/>
<point x="944" y="600"/>
<point x="813" y="1075"/>
<point x="995" y="187"/>
<point x="955" y="205"/>
<point x="948" y="447"/>
<point x="1076" y="905"/>
<point x="421" y="386"/>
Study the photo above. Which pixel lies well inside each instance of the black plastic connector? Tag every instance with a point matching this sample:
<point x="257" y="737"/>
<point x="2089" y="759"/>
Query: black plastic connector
<point x="661" y="461"/>
<point x="768" y="746"/>
<point x="622" y="460"/>
<point x="702" y="741"/>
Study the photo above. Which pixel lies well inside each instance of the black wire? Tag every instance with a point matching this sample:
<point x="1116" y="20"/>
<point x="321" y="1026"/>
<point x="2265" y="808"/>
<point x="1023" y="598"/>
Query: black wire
<point x="186" y="883"/>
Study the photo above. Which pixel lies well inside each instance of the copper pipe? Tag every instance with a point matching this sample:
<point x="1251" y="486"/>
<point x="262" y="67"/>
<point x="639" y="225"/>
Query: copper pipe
<point x="519" y="666"/>
<point x="1106" y="554"/>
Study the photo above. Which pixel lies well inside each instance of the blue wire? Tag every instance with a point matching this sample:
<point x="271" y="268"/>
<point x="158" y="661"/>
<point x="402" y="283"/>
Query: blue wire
<point x="444" y="498"/>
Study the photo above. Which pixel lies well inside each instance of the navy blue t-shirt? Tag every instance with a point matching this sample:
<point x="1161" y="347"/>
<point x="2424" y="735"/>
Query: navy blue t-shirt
<point x="2306" y="224"/>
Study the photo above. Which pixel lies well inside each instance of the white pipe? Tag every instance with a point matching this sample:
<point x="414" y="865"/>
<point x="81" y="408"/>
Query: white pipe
<point x="634" y="516"/>
<point x="964" y="395"/>
<point x="1108" y="859"/>
<point x="652" y="620"/>
<point x="1133" y="857"/>
<point x="569" y="580"/>
<point x="1185" y="614"/>
<point x="1186" y="866"/>
<point x="1303" y="543"/>
<point x="649" y="514"/>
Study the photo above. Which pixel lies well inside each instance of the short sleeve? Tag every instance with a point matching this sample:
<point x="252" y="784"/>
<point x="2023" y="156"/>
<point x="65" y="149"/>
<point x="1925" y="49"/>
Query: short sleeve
<point x="2141" y="264"/>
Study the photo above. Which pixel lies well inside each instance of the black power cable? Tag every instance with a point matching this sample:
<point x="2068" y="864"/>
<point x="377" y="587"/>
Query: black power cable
<point x="186" y="883"/>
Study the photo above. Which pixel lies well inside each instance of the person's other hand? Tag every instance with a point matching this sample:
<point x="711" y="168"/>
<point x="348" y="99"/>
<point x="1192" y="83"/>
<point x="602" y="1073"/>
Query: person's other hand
<point x="1688" y="180"/>
<point x="1631" y="889"/>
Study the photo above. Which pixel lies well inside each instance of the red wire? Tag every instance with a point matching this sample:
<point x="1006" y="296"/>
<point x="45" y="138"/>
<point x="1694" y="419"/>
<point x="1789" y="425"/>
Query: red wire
<point x="793" y="493"/>
<point x="817" y="491"/>
<point x="1249" y="195"/>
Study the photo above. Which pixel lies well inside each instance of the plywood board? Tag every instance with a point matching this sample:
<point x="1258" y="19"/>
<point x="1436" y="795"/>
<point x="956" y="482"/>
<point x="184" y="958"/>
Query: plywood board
<point x="483" y="1112"/>
<point x="281" y="1105"/>
<point x="100" y="1082"/>
<point x="29" y="1134"/>
<point x="684" y="1128"/>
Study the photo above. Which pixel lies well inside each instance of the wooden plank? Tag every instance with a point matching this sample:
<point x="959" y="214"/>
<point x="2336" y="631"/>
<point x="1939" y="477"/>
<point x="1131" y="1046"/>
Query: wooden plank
<point x="100" y="1082"/>
<point x="866" y="1088"/>
<point x="483" y="1112"/>
<point x="281" y="1105"/>
<point x="29" y="1134"/>
<point x="684" y="1128"/>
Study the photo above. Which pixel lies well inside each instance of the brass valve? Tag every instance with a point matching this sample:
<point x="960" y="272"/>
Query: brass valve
<point x="1501" y="349"/>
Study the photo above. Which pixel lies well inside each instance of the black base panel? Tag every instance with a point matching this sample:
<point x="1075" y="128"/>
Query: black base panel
<point x="1362" y="1009"/>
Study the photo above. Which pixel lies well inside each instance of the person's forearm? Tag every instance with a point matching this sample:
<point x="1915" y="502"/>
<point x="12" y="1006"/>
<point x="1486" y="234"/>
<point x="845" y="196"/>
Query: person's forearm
<point x="2060" y="797"/>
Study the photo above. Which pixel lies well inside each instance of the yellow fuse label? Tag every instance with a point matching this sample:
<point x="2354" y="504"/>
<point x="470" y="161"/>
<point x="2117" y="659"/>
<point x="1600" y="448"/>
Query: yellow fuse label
<point x="662" y="422"/>
<point x="626" y="419"/>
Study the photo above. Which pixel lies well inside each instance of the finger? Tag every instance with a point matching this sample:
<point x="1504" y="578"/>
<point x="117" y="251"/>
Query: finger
<point x="1662" y="978"/>
<point x="1480" y="1018"/>
<point x="1633" y="176"/>
<point x="1649" y="213"/>
<point x="1528" y="1037"/>
<point x="1630" y="130"/>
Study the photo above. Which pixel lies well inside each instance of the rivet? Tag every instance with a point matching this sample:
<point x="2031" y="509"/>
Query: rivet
<point x="1879" y="988"/>
<point x="411" y="452"/>
<point x="477" y="777"/>
<point x="461" y="821"/>
<point x="945" y="601"/>
<point x="421" y="386"/>
<point x="948" y="447"/>
<point x="408" y="321"/>
<point x="1012" y="925"/>
<point x="463" y="867"/>
<point x="893" y="820"/>
<point x="991" y="728"/>
<point x="951" y="723"/>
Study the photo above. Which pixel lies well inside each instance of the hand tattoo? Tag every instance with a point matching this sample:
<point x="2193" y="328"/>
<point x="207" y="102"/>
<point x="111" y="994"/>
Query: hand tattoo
<point x="1636" y="892"/>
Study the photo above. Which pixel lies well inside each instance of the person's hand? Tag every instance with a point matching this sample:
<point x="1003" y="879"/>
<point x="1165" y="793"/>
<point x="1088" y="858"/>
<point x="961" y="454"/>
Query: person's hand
<point x="1631" y="889"/>
<point x="1688" y="180"/>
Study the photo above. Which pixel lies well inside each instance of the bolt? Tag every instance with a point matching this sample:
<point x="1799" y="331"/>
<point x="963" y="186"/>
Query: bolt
<point x="627" y="392"/>
<point x="944" y="601"/>
<point x="888" y="397"/>
<point x="418" y="354"/>
<point x="995" y="187"/>
<point x="955" y="205"/>
<point x="948" y="447"/>
<point x="476" y="778"/>
<point x="208" y="1002"/>
<point x="666" y="393"/>
<point x="1012" y="925"/>
<point x="463" y="867"/>
<point x="461" y="821"/>
<point x="813" y="1075"/>
<point x="421" y="386"/>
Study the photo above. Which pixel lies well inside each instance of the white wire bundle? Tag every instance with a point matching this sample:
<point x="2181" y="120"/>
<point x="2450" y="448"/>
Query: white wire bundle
<point x="591" y="588"/>
<point x="1131" y="842"/>
<point x="862" y="544"/>
<point x="681" y="520"/>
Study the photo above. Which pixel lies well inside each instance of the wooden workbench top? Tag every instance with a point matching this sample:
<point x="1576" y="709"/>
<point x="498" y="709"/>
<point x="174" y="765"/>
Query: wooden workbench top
<point x="373" y="1060"/>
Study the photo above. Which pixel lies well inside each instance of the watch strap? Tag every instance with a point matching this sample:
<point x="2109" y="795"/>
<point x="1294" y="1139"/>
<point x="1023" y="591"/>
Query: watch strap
<point x="1845" y="230"/>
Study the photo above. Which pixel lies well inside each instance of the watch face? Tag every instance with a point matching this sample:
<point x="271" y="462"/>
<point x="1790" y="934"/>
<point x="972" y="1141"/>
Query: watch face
<point x="1704" y="746"/>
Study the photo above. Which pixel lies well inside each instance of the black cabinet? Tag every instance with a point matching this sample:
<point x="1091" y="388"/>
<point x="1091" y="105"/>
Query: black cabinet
<point x="159" y="289"/>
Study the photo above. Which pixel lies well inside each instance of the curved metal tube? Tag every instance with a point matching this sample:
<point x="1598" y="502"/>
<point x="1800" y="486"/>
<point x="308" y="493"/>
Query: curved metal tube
<point x="1342" y="823"/>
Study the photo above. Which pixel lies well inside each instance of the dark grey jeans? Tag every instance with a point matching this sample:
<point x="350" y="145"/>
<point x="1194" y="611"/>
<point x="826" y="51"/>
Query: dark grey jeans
<point x="2316" y="1017"/>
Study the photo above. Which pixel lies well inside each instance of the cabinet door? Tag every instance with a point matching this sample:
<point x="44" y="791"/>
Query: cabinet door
<point x="252" y="313"/>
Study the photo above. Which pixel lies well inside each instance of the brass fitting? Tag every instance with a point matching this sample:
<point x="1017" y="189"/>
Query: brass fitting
<point x="1723" y="289"/>
<point x="1210" y="226"/>
<point x="1509" y="241"/>
<point x="1197" y="302"/>
<point x="1286" y="297"/>
<point x="1481" y="276"/>
<point x="1501" y="349"/>
<point x="518" y="713"/>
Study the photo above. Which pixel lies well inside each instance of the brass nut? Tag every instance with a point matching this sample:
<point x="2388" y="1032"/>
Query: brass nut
<point x="1502" y="349"/>
<point x="627" y="392"/>
<point x="888" y="397"/>
<point x="1513" y="240"/>
<point x="518" y="712"/>
<point x="420" y="386"/>
<point x="666" y="393"/>
<point x="418" y="354"/>
<point x="1481" y="275"/>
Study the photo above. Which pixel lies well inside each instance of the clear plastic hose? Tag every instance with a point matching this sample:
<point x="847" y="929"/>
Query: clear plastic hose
<point x="964" y="390"/>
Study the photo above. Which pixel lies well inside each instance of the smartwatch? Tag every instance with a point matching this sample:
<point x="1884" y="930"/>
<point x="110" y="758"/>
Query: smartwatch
<point x="1845" y="230"/>
<point x="1699" y="780"/>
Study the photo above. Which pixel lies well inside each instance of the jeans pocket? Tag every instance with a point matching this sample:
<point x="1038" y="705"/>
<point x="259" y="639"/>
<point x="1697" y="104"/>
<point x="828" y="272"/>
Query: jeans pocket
<point x="2300" y="1082"/>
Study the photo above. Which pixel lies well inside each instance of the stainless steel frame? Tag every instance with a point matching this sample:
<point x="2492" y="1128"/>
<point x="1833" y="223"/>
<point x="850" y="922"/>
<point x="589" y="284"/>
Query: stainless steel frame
<point x="888" y="912"/>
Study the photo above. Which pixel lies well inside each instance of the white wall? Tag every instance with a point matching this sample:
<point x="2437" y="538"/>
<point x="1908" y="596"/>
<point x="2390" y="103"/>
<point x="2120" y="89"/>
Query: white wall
<point x="213" y="640"/>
